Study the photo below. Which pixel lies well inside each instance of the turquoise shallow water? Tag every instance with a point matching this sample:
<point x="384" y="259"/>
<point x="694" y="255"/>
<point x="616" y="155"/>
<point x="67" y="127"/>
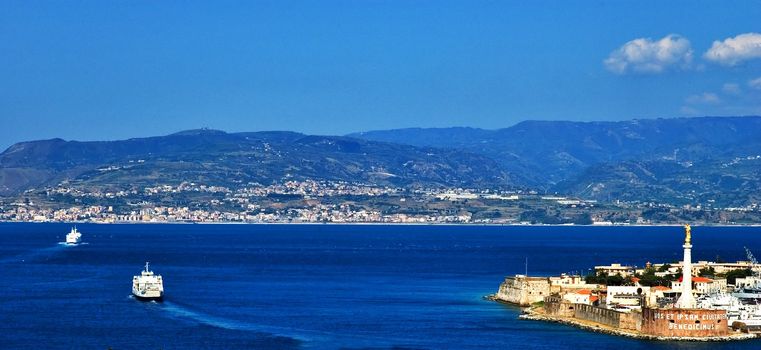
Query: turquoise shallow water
<point x="314" y="286"/>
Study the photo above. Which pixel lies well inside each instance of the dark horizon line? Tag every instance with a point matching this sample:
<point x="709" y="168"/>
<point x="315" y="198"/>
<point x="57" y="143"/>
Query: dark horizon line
<point x="212" y="130"/>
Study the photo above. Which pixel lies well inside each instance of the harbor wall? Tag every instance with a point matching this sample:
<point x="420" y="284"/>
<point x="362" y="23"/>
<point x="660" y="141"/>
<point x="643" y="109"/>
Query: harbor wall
<point x="684" y="322"/>
<point x="612" y="318"/>
<point x="555" y="306"/>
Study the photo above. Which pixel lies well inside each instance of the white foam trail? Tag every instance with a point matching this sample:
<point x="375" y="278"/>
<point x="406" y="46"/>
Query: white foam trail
<point x="310" y="338"/>
<point x="225" y="323"/>
<point x="34" y="254"/>
<point x="67" y="282"/>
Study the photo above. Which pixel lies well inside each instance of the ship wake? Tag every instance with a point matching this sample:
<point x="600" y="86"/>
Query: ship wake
<point x="72" y="244"/>
<point x="309" y="338"/>
<point x="179" y="311"/>
<point x="34" y="255"/>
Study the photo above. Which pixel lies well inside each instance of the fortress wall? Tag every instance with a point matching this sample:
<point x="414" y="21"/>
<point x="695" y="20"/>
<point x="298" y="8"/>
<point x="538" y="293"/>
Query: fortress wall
<point x="597" y="314"/>
<point x="630" y="320"/>
<point x="556" y="306"/>
<point x="684" y="322"/>
<point x="523" y="290"/>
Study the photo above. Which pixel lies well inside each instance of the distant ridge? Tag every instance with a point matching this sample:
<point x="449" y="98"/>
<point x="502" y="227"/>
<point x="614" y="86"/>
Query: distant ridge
<point x="679" y="160"/>
<point x="575" y="157"/>
<point x="232" y="159"/>
<point x="196" y="132"/>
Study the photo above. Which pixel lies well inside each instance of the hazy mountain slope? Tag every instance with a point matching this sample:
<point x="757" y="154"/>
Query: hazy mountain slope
<point x="680" y="161"/>
<point x="552" y="151"/>
<point x="219" y="158"/>
<point x="724" y="184"/>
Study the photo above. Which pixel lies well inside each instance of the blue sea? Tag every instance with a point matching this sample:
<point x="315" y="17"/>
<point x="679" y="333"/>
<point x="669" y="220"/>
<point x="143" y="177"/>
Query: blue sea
<point x="315" y="286"/>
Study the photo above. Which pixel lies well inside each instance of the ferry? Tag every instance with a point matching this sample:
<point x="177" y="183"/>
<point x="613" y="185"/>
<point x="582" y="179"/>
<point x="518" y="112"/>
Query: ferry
<point x="74" y="236"/>
<point x="148" y="286"/>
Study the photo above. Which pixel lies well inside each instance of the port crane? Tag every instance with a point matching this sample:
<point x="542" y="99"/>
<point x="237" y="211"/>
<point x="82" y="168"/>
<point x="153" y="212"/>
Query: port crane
<point x="753" y="262"/>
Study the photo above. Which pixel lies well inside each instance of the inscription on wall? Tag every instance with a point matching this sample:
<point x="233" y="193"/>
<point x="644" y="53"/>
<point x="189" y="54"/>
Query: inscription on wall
<point x="690" y="322"/>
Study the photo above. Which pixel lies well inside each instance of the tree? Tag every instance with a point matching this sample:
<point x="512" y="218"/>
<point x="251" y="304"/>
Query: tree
<point x="733" y="275"/>
<point x="653" y="280"/>
<point x="583" y="219"/>
<point x="649" y="278"/>
<point x="591" y="278"/>
<point x="707" y="271"/>
<point x="608" y="280"/>
<point x="615" y="280"/>
<point x="664" y="267"/>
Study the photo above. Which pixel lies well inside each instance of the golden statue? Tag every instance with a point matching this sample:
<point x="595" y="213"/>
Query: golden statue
<point x="688" y="236"/>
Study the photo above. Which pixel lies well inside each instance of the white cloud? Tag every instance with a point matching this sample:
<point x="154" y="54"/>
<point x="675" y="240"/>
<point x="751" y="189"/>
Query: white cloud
<point x="644" y="55"/>
<point x="704" y="98"/>
<point x="731" y="89"/>
<point x="755" y="83"/>
<point x="732" y="51"/>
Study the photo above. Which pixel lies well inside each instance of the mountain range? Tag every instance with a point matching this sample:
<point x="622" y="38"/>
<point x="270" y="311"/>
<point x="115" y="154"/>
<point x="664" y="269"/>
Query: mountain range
<point x="677" y="161"/>
<point x="231" y="159"/>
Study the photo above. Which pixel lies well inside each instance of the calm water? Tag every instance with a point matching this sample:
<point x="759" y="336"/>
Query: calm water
<point x="314" y="286"/>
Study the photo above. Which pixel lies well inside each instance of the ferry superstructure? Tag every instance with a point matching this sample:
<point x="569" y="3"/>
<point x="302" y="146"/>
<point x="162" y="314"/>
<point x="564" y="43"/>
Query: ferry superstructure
<point x="74" y="236"/>
<point x="148" y="286"/>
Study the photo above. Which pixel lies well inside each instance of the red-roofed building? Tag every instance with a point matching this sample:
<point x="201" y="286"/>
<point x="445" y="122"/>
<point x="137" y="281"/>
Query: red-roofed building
<point x="582" y="296"/>
<point x="702" y="285"/>
<point x="698" y="279"/>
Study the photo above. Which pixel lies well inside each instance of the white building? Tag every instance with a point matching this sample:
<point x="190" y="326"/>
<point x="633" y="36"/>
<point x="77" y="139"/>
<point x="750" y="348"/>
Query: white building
<point x="582" y="296"/>
<point x="747" y="282"/>
<point x="626" y="296"/>
<point x="566" y="282"/>
<point x="615" y="269"/>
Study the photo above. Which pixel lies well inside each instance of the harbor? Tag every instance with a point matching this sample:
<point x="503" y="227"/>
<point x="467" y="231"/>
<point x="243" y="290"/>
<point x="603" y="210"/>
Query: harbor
<point x="626" y="301"/>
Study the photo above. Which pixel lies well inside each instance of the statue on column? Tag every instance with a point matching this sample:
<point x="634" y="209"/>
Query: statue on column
<point x="688" y="236"/>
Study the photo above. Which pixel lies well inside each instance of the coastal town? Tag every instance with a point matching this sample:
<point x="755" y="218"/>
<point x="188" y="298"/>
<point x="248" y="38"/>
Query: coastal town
<point x="684" y="300"/>
<point x="311" y="201"/>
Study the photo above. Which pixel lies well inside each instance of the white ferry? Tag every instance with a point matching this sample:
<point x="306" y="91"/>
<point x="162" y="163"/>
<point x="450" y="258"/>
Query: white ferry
<point x="74" y="236"/>
<point x="148" y="286"/>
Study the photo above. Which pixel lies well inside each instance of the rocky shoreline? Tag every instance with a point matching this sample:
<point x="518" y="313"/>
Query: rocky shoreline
<point x="531" y="314"/>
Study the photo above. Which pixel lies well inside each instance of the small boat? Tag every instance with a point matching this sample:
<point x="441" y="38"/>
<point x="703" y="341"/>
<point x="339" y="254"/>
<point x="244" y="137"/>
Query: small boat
<point x="74" y="236"/>
<point x="148" y="286"/>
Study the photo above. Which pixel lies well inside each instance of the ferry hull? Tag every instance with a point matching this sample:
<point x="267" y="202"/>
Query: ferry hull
<point x="146" y="297"/>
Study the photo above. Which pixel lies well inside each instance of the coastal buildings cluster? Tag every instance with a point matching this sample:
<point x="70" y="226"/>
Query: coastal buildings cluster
<point x="312" y="201"/>
<point x="675" y="301"/>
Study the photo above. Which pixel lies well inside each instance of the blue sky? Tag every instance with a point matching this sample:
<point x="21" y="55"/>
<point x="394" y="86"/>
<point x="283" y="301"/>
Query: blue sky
<point x="99" y="70"/>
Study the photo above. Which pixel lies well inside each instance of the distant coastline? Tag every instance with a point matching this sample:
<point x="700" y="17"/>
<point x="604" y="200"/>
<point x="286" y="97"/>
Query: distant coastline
<point x="369" y="224"/>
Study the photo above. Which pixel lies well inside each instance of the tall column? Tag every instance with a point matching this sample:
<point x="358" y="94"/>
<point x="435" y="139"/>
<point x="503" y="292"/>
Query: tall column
<point x="686" y="300"/>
